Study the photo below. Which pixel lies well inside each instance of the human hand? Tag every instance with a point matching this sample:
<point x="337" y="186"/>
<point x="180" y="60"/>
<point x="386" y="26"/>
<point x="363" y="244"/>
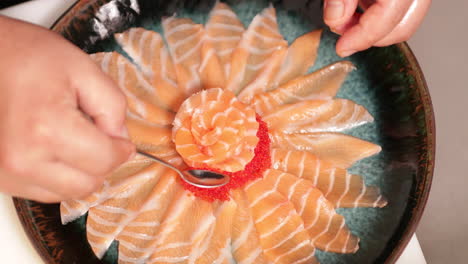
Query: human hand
<point x="383" y="23"/>
<point x="49" y="150"/>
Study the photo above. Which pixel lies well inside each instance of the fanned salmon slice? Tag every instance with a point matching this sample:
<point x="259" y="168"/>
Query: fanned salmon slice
<point x="72" y="209"/>
<point x="148" y="51"/>
<point x="283" y="236"/>
<point x="177" y="234"/>
<point x="300" y="57"/>
<point x="339" y="187"/>
<point x="326" y="228"/>
<point x="224" y="30"/>
<point x="152" y="138"/>
<point x="211" y="71"/>
<point x="322" y="84"/>
<point x="107" y="219"/>
<point x="185" y="39"/>
<point x="254" y="51"/>
<point x="246" y="246"/>
<point x="139" y="92"/>
<point x="264" y="80"/>
<point x="138" y="234"/>
<point x="338" y="149"/>
<point x="216" y="246"/>
<point x="318" y="116"/>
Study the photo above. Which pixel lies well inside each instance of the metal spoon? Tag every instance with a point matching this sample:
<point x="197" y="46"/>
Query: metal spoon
<point x="200" y="178"/>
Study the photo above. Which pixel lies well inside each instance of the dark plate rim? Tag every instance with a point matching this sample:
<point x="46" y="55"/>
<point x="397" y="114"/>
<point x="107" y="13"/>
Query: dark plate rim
<point x="423" y="190"/>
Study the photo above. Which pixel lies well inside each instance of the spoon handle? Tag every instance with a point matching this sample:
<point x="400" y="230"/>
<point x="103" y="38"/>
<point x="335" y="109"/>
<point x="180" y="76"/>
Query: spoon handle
<point x="160" y="161"/>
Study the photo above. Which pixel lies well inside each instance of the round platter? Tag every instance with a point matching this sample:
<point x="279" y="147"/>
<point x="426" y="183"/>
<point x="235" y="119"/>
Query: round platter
<point x="388" y="82"/>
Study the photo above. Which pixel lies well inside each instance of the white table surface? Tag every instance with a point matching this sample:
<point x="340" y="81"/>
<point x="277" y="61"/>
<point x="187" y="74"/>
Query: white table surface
<point x="15" y="247"/>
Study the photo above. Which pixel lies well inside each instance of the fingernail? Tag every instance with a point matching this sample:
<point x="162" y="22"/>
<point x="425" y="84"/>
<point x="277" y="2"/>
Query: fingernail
<point x="124" y="132"/>
<point x="347" y="53"/>
<point x="334" y="9"/>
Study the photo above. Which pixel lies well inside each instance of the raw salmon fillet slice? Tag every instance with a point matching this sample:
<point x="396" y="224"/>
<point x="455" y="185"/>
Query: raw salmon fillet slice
<point x="322" y="84"/>
<point x="224" y="30"/>
<point x="107" y="219"/>
<point x="338" y="149"/>
<point x="211" y="71"/>
<point x="245" y="244"/>
<point x="341" y="188"/>
<point x="281" y="230"/>
<point x="148" y="51"/>
<point x="258" y="43"/>
<point x="177" y="236"/>
<point x="140" y="95"/>
<point x="317" y="116"/>
<point x="114" y="183"/>
<point x="185" y="39"/>
<point x="326" y="228"/>
<point x="137" y="236"/>
<point x="266" y="76"/>
<point x="154" y="139"/>
<point x="216" y="246"/>
<point x="300" y="57"/>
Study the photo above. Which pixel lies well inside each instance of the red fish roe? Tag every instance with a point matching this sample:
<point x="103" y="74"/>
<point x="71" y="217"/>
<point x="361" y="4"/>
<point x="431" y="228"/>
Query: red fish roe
<point x="253" y="170"/>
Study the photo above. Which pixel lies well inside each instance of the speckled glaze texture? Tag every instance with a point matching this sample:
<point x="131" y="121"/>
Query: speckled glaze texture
<point x="388" y="82"/>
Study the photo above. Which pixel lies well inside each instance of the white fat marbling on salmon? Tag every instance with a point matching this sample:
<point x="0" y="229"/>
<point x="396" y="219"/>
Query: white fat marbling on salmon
<point x="342" y="225"/>
<point x="225" y="26"/>
<point x="252" y="257"/>
<point x="276" y="228"/>
<point x="298" y="230"/>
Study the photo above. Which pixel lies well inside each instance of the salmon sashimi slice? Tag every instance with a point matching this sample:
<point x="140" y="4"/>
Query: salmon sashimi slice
<point x="216" y="247"/>
<point x="137" y="235"/>
<point x="152" y="138"/>
<point x="148" y="51"/>
<point x="72" y="209"/>
<point x="140" y="95"/>
<point x="246" y="246"/>
<point x="340" y="150"/>
<point x="326" y="228"/>
<point x="300" y="57"/>
<point x="185" y="39"/>
<point x="254" y="51"/>
<point x="142" y="46"/>
<point x="341" y="188"/>
<point x="108" y="218"/>
<point x="317" y="116"/>
<point x="282" y="233"/>
<point x="177" y="233"/>
<point x="224" y="30"/>
<point x="212" y="128"/>
<point x="211" y="71"/>
<point x="322" y="84"/>
<point x="264" y="79"/>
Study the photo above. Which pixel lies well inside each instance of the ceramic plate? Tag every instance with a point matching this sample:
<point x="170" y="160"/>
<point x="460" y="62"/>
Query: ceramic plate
<point x="388" y="82"/>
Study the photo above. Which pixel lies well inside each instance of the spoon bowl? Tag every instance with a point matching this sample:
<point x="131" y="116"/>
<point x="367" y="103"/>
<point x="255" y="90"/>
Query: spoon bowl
<point x="199" y="178"/>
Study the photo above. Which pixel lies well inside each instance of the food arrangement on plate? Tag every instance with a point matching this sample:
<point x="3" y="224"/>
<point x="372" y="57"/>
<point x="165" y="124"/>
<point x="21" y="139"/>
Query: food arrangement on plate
<point x="238" y="101"/>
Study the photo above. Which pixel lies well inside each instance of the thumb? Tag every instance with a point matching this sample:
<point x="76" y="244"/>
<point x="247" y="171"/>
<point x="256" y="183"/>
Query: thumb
<point x="340" y="14"/>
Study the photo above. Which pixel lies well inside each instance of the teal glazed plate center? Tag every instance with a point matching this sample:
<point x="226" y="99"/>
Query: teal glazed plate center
<point x="388" y="82"/>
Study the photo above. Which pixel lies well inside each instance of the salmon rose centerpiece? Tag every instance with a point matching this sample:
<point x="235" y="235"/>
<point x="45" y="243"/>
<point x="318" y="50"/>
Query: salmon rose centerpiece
<point x="214" y="129"/>
<point x="237" y="100"/>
